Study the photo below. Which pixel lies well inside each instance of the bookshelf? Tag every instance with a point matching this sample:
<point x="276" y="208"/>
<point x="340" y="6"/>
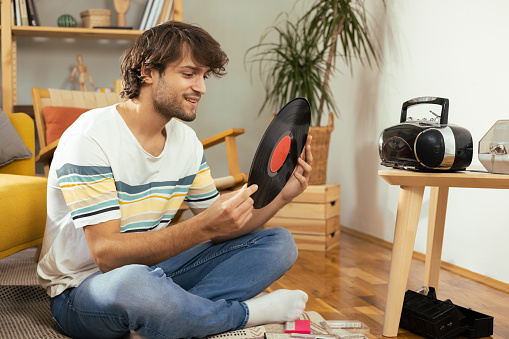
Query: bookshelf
<point x="9" y="35"/>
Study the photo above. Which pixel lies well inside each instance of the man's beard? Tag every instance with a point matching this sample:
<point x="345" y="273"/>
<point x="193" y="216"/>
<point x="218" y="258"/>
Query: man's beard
<point x="171" y="105"/>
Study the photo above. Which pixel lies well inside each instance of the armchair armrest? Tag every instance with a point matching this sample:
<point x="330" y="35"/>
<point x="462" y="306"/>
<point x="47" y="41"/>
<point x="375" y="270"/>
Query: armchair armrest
<point x="221" y="137"/>
<point x="46" y="153"/>
<point x="228" y="137"/>
<point x="232" y="181"/>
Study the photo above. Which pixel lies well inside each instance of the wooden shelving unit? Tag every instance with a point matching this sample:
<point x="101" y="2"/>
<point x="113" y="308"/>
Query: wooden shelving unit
<point x="10" y="33"/>
<point x="75" y="32"/>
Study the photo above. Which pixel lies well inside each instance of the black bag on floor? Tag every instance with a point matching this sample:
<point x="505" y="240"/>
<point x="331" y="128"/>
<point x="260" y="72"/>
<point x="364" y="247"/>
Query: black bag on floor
<point x="429" y="317"/>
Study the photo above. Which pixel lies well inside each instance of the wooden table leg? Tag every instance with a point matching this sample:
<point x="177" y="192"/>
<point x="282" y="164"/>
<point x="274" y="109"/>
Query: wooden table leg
<point x="407" y="219"/>
<point x="436" y="225"/>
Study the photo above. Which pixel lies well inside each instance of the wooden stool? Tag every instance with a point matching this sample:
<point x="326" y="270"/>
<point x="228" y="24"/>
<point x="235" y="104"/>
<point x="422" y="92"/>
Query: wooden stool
<point x="412" y="186"/>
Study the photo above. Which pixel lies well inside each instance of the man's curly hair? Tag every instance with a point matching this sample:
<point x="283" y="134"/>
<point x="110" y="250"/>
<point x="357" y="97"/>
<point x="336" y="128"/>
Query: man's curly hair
<point x="164" y="44"/>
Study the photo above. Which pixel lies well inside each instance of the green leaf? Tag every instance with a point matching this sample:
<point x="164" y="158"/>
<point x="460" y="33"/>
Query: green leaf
<point x="304" y="56"/>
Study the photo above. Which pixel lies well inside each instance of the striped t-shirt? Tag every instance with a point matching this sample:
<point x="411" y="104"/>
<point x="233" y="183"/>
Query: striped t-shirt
<point x="99" y="173"/>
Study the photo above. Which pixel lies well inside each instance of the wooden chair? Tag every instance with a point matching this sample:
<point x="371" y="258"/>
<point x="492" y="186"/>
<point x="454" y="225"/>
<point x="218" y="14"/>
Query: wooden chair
<point x="62" y="98"/>
<point x="66" y="98"/>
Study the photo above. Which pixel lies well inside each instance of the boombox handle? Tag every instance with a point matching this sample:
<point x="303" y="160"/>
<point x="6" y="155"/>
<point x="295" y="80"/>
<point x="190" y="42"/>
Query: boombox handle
<point x="428" y="100"/>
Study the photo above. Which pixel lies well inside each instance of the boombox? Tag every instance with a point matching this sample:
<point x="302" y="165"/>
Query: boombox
<point x="426" y="145"/>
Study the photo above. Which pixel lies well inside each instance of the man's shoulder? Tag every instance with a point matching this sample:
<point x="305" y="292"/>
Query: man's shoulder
<point x="94" y="121"/>
<point x="98" y="115"/>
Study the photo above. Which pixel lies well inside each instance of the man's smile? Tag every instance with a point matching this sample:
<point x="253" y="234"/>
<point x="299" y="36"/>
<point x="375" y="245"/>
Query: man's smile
<point x="192" y="100"/>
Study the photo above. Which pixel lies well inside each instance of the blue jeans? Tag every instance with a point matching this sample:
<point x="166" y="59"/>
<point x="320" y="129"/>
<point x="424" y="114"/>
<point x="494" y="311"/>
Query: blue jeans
<point x="196" y="293"/>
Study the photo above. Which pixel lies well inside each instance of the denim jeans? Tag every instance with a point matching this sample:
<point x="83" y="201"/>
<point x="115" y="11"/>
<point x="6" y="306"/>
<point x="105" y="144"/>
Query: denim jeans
<point x="196" y="293"/>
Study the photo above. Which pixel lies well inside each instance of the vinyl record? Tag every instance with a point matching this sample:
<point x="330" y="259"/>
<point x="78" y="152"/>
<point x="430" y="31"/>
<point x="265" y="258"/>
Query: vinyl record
<point x="278" y="151"/>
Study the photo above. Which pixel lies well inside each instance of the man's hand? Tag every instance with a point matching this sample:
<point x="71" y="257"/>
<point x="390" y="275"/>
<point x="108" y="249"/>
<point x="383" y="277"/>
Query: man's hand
<point x="230" y="212"/>
<point x="298" y="182"/>
<point x="245" y="219"/>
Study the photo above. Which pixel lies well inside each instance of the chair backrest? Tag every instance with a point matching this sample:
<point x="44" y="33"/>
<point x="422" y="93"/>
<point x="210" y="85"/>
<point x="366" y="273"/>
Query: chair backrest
<point x="66" y="98"/>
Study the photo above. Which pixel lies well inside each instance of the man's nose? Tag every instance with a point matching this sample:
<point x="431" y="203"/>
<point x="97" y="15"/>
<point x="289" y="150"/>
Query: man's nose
<point x="199" y="85"/>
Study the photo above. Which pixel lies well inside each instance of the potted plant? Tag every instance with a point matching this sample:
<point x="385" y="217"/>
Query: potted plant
<point x="302" y="58"/>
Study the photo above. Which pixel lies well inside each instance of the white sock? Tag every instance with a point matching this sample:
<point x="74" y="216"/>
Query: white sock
<point x="276" y="307"/>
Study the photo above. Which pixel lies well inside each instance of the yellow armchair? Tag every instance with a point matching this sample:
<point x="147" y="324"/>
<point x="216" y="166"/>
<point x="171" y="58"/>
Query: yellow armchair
<point x="22" y="196"/>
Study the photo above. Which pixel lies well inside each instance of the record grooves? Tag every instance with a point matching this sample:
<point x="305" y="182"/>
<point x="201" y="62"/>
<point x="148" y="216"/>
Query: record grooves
<point x="278" y="151"/>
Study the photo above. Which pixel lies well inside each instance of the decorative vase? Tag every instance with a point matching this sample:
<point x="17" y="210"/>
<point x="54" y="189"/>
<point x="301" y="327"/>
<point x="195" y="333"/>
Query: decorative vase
<point x="66" y="20"/>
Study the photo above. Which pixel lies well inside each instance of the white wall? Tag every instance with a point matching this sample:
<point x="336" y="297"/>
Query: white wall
<point x="450" y="48"/>
<point x="454" y="49"/>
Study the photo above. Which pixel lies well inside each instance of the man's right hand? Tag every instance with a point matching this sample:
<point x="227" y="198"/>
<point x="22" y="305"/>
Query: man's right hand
<point x="230" y="212"/>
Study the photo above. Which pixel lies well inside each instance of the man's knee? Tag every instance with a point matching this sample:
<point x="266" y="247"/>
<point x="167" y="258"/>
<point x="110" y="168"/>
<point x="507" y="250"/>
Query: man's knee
<point x="120" y="288"/>
<point x="284" y="245"/>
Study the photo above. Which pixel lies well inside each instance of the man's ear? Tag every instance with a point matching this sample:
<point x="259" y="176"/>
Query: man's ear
<point x="146" y="73"/>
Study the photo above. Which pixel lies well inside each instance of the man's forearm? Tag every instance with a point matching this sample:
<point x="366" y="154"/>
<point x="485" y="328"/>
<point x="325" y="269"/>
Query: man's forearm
<point x="111" y="249"/>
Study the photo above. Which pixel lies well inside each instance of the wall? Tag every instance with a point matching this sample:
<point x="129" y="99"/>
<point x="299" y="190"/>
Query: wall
<point x="448" y="48"/>
<point x="431" y="48"/>
<point x="451" y="49"/>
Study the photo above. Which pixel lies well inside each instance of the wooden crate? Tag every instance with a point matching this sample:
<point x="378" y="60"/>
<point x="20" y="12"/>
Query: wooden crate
<point x="312" y="217"/>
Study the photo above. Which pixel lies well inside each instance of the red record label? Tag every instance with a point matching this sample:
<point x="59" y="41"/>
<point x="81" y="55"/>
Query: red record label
<point x="280" y="153"/>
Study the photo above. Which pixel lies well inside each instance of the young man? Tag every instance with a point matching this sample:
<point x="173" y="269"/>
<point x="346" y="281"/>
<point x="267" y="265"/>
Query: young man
<point x="110" y="263"/>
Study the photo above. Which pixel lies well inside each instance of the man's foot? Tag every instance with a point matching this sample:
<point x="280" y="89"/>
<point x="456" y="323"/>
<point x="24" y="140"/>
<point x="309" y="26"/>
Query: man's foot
<point x="277" y="307"/>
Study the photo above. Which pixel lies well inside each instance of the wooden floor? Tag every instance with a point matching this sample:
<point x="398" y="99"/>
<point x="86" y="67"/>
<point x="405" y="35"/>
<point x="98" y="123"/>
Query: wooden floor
<point x="350" y="282"/>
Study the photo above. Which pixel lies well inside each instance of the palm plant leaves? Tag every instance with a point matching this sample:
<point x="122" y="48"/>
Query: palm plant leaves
<point x="302" y="59"/>
<point x="348" y="19"/>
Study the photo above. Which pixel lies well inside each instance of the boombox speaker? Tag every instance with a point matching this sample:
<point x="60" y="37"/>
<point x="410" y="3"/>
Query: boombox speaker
<point x="426" y="145"/>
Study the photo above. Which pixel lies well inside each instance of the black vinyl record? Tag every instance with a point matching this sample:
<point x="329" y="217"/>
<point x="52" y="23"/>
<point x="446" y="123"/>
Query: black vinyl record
<point x="278" y="151"/>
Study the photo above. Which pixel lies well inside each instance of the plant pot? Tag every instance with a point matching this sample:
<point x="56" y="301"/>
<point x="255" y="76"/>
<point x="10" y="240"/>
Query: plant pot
<point x="320" y="150"/>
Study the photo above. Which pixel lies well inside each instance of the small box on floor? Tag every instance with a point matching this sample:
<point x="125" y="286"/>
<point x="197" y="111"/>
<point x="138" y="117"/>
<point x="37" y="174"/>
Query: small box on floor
<point x="346" y="329"/>
<point x="298" y="336"/>
<point x="352" y="326"/>
<point x="298" y="326"/>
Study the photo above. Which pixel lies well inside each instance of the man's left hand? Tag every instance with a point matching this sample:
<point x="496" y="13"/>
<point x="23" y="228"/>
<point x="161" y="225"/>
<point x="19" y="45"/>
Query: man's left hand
<point x="298" y="182"/>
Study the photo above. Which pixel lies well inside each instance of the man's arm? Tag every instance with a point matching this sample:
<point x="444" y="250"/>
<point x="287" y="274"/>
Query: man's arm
<point x="297" y="183"/>
<point x="111" y="249"/>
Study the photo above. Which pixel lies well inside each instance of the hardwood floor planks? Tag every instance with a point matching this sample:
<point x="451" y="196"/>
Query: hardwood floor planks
<point x="350" y="282"/>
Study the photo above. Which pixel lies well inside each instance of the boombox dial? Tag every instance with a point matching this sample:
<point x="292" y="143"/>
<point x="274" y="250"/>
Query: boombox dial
<point x="426" y="145"/>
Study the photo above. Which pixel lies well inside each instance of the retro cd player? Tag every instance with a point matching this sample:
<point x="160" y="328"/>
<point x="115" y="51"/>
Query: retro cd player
<point x="426" y="145"/>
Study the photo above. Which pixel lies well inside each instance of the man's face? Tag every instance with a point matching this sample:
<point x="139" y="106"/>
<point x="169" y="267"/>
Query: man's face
<point x="179" y="88"/>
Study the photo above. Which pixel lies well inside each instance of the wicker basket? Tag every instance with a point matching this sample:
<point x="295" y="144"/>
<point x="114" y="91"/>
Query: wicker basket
<point x="320" y="149"/>
<point x="96" y="18"/>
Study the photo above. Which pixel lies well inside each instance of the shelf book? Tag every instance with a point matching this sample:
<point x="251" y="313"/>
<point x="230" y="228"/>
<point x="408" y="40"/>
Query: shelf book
<point x="146" y="12"/>
<point x="33" y="18"/>
<point x="24" y="13"/>
<point x="156" y="12"/>
<point x="17" y="12"/>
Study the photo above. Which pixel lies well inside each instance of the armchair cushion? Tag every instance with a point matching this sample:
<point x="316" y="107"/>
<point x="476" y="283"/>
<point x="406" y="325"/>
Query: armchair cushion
<point x="12" y="146"/>
<point x="22" y="212"/>
<point x="58" y="119"/>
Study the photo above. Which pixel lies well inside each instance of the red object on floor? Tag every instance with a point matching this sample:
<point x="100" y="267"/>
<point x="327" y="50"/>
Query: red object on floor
<point x="298" y="326"/>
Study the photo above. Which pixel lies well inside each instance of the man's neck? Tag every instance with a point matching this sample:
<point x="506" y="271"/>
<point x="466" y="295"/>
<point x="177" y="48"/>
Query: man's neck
<point x="147" y="126"/>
